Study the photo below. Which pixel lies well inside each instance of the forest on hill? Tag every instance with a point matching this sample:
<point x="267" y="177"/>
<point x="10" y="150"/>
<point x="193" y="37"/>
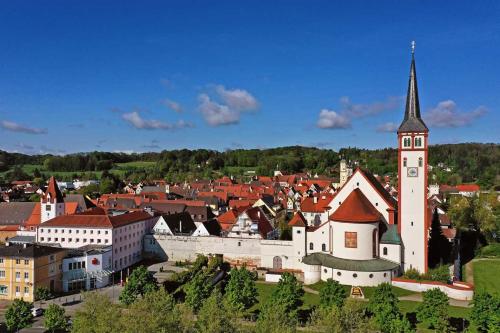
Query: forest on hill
<point x="452" y="163"/>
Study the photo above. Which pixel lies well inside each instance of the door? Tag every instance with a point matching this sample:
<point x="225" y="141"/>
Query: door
<point x="277" y="264"/>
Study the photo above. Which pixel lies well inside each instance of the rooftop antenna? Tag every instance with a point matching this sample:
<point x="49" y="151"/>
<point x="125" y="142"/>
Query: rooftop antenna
<point x="413" y="44"/>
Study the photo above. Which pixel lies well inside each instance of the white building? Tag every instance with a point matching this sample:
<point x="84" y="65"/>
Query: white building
<point x="123" y="232"/>
<point x="87" y="268"/>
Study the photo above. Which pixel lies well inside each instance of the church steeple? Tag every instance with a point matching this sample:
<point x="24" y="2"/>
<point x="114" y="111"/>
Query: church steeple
<point x="412" y="121"/>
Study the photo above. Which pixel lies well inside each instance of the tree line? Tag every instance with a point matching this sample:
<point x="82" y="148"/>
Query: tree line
<point x="469" y="162"/>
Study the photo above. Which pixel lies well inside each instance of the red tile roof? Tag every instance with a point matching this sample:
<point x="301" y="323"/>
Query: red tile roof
<point x="468" y="188"/>
<point x="35" y="217"/>
<point x="298" y="220"/>
<point x="96" y="221"/>
<point x="356" y="208"/>
<point x="323" y="200"/>
<point x="53" y="190"/>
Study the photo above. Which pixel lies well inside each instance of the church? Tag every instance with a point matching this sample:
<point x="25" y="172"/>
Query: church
<point x="370" y="237"/>
<point x="367" y="238"/>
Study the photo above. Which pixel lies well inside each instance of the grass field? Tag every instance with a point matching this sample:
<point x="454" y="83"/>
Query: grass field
<point x="368" y="291"/>
<point x="265" y="291"/>
<point x="486" y="275"/>
<point x="118" y="169"/>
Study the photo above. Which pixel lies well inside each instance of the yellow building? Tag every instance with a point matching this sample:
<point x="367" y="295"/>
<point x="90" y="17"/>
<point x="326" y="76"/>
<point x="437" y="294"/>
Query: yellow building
<point x="23" y="268"/>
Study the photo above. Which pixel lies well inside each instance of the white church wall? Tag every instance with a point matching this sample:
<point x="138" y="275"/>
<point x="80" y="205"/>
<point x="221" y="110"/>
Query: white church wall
<point x="319" y="237"/>
<point x="459" y="290"/>
<point x="364" y="249"/>
<point x="393" y="252"/>
<point x="355" y="278"/>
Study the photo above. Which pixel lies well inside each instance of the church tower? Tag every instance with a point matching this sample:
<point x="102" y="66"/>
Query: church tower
<point x="52" y="202"/>
<point x="412" y="179"/>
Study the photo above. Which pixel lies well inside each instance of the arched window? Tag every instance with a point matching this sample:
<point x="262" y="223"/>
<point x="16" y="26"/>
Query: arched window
<point x="323" y="247"/>
<point x="404" y="161"/>
<point x="420" y="161"/>
<point x="385" y="251"/>
<point x="311" y="246"/>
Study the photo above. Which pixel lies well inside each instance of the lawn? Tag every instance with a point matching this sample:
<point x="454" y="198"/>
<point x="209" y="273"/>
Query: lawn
<point x="486" y="273"/>
<point x="265" y="291"/>
<point x="367" y="291"/>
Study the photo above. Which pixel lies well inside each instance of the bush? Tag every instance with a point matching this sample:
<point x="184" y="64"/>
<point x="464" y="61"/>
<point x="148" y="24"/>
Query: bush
<point x="433" y="311"/>
<point x="485" y="308"/>
<point x="332" y="294"/>
<point x="55" y="318"/>
<point x="412" y="274"/>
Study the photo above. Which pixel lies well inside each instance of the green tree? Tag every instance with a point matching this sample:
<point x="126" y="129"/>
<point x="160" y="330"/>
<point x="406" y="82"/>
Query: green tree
<point x="140" y="282"/>
<point x="18" y="315"/>
<point x="97" y="315"/>
<point x="460" y="212"/>
<point x="215" y="316"/>
<point x="332" y="294"/>
<point x="275" y="319"/>
<point x="42" y="294"/>
<point x="288" y="293"/>
<point x="197" y="290"/>
<point x="155" y="312"/>
<point x="241" y="292"/>
<point x="486" y="215"/>
<point x="348" y="318"/>
<point x="484" y="309"/>
<point x="55" y="318"/>
<point x="433" y="311"/>
<point x="384" y="307"/>
<point x="439" y="247"/>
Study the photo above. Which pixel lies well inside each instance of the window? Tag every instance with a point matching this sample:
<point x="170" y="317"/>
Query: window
<point x="2" y="274"/>
<point x="298" y="231"/>
<point x="52" y="258"/>
<point x="407" y="142"/>
<point x="385" y="251"/>
<point x="26" y="262"/>
<point x="311" y="246"/>
<point x="351" y="239"/>
<point x="323" y="247"/>
<point x="371" y="276"/>
<point x="404" y="161"/>
<point x="3" y="290"/>
<point x="26" y="290"/>
<point x="18" y="289"/>
<point x="1" y="260"/>
<point x="325" y="270"/>
<point x="18" y="275"/>
<point x="418" y="142"/>
<point x="420" y="161"/>
<point x="355" y="275"/>
<point x="339" y="274"/>
<point x="26" y="275"/>
<point x="18" y="261"/>
<point x="48" y="208"/>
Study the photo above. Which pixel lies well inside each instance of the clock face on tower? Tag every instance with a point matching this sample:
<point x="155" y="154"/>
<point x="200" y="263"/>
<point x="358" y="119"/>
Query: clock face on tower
<point x="412" y="172"/>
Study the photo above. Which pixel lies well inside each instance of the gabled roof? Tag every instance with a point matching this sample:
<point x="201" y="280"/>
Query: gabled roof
<point x="356" y="208"/>
<point x="468" y="188"/>
<point x="213" y="227"/>
<point x="298" y="220"/>
<point x="180" y="223"/>
<point x="16" y="213"/>
<point x="391" y="202"/>
<point x="96" y="221"/>
<point x="53" y="191"/>
<point x="257" y="216"/>
<point x="320" y="206"/>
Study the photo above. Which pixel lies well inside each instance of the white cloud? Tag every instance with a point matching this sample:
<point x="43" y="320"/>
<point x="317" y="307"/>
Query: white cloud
<point x="15" y="127"/>
<point x="333" y="120"/>
<point x="172" y="105"/>
<point x="237" y="99"/>
<point x="388" y="127"/>
<point x="216" y="114"/>
<point x="447" y="114"/>
<point x="135" y="119"/>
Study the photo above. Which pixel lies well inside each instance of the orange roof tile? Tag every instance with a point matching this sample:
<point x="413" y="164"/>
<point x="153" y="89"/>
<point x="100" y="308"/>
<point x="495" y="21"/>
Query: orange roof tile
<point x="356" y="208"/>
<point x="298" y="220"/>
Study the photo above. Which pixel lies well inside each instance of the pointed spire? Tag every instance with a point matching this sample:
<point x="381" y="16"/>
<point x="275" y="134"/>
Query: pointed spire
<point x="53" y="191"/>
<point x="412" y="121"/>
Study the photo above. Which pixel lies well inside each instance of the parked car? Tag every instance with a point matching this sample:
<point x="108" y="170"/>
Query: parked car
<point x="37" y="312"/>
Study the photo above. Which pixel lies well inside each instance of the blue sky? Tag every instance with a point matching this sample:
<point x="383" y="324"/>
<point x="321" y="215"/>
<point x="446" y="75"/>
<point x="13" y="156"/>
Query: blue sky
<point x="147" y="75"/>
